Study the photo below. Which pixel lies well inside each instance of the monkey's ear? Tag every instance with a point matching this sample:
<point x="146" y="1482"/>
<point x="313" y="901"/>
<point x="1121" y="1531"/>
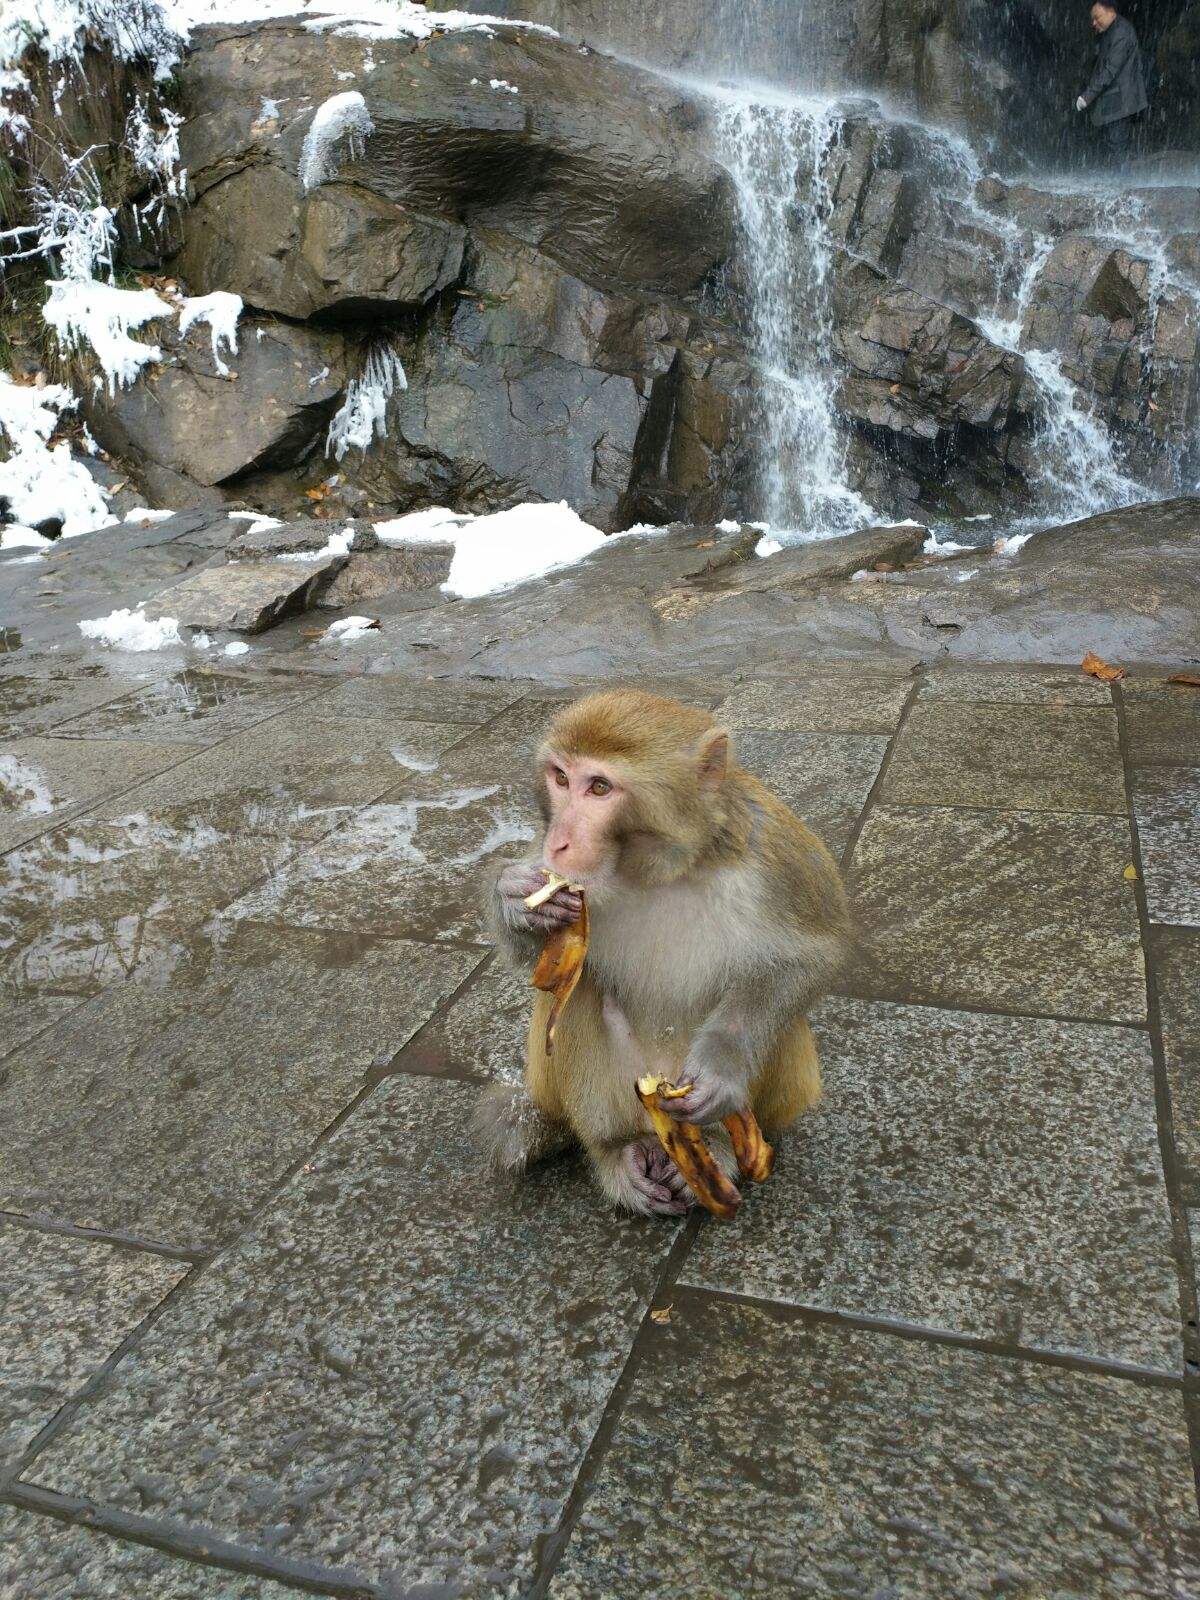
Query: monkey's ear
<point x="714" y="759"/>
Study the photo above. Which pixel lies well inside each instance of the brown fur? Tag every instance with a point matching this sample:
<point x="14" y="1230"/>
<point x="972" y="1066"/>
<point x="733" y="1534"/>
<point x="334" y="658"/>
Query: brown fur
<point x="725" y="917"/>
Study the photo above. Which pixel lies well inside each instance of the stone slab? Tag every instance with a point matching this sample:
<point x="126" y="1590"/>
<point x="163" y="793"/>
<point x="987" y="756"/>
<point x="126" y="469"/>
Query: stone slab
<point x="167" y="1111"/>
<point x="484" y="1032"/>
<point x="65" y="1305"/>
<point x="305" y="537"/>
<point x="1166" y="803"/>
<point x="415" y="867"/>
<point x="1022" y="757"/>
<point x="824" y="777"/>
<point x="199" y="705"/>
<point x="299" y="773"/>
<point x="385" y="694"/>
<point x="1007" y="910"/>
<point x="44" y="1558"/>
<point x="1176" y="955"/>
<point x="832" y="703"/>
<point x="1033" y="686"/>
<point x="45" y="781"/>
<point x="247" y="596"/>
<point x="32" y="705"/>
<point x="397" y="1373"/>
<point x="1163" y="720"/>
<point x="990" y="1176"/>
<point x="766" y="1456"/>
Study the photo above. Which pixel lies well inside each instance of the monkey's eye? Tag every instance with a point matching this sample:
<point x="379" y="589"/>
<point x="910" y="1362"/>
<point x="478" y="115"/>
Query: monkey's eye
<point x="601" y="787"/>
<point x="561" y="778"/>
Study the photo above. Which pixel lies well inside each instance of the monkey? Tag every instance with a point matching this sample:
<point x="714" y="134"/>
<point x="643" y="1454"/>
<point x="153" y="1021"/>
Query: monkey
<point x="716" y="917"/>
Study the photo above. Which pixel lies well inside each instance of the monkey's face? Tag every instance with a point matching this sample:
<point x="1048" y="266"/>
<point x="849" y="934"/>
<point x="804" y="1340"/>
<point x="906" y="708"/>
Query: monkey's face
<point x="585" y="800"/>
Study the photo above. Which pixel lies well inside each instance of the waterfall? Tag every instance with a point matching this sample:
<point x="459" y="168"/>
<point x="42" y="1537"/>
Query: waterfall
<point x="775" y="150"/>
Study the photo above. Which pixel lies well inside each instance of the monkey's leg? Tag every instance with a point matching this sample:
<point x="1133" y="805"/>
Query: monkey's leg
<point x="513" y="1132"/>
<point x="790" y="1081"/>
<point x="640" y="1176"/>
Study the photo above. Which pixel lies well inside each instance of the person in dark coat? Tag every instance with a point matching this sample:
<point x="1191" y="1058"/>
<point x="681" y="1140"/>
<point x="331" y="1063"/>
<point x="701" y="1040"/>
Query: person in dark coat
<point x="1117" y="90"/>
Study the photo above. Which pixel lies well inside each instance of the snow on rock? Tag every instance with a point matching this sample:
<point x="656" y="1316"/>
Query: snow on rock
<point x="502" y="549"/>
<point x="767" y="546"/>
<point x="39" y="483"/>
<point x="237" y="648"/>
<point x="503" y="83"/>
<point x="131" y="630"/>
<point x="62" y="29"/>
<point x="220" y="310"/>
<point x="338" y="544"/>
<point x="346" y="629"/>
<point x="18" y="537"/>
<point x="363" y="413"/>
<point x="341" y="116"/>
<point x="384" y="19"/>
<point x="101" y="316"/>
<point x="143" y="515"/>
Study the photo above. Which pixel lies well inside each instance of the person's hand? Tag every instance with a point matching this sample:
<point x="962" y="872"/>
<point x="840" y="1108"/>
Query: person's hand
<point x="1081" y="104"/>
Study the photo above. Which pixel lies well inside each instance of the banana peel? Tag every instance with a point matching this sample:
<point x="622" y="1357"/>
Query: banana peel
<point x="560" y="965"/>
<point x="684" y="1143"/>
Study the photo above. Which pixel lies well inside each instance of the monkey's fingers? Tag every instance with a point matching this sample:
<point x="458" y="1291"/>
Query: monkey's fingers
<point x="550" y="888"/>
<point x="560" y="966"/>
<point x="755" y="1157"/>
<point x="685" y="1145"/>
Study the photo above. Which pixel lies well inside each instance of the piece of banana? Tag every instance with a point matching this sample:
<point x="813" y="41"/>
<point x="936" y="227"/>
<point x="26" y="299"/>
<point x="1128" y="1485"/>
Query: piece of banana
<point x="550" y="888"/>
<point x="559" y="967"/>
<point x="755" y="1157"/>
<point x="685" y="1145"/>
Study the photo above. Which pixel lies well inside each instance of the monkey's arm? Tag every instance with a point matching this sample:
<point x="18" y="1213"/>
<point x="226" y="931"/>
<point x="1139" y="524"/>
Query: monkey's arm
<point x="519" y="931"/>
<point x="738" y="1035"/>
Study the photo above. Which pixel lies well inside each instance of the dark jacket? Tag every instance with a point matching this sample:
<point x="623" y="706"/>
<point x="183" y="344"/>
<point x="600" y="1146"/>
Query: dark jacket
<point x="1118" y="85"/>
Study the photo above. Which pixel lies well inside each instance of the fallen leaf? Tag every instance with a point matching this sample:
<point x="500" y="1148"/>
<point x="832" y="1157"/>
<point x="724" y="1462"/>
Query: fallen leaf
<point x="894" y="388"/>
<point x="318" y="493"/>
<point x="1189" y="679"/>
<point x="1130" y="874"/>
<point x="661" y="1315"/>
<point x="704" y="544"/>
<point x="1152" y="406"/>
<point x="312" y="633"/>
<point x="1096" y="668"/>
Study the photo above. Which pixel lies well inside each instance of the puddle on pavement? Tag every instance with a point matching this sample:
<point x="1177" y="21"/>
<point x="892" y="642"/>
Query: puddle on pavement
<point x="191" y="697"/>
<point x="411" y="866"/>
<point x="10" y="640"/>
<point x="25" y="789"/>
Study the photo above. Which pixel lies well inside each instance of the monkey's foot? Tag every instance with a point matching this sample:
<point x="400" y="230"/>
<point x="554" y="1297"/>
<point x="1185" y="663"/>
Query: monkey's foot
<point x="652" y="1184"/>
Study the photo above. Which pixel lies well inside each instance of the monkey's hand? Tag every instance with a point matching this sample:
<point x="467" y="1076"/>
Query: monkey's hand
<point x="718" y="1078"/>
<point x="653" y="1184"/>
<point x="520" y="880"/>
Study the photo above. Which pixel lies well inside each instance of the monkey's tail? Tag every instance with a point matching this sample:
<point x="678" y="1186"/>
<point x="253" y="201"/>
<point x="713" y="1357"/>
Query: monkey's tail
<point x="512" y="1133"/>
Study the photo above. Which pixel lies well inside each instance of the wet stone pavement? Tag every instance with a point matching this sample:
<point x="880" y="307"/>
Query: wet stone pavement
<point x="265" y="1330"/>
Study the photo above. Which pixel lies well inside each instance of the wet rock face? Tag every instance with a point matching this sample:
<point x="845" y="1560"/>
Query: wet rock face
<point x="540" y="260"/>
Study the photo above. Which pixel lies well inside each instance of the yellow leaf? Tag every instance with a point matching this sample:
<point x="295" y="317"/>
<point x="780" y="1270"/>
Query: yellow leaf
<point x="1131" y="874"/>
<point x="1096" y="668"/>
<point x="661" y="1315"/>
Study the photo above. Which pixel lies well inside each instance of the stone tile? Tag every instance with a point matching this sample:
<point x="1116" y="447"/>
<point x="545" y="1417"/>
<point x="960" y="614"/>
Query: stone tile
<point x="824" y="777"/>
<point x="45" y="781"/>
<point x="506" y="749"/>
<point x="1032" y="686"/>
<point x="167" y="1111"/>
<point x="299" y="774"/>
<point x="417" y="866"/>
<point x="396" y="1374"/>
<point x="1029" y="758"/>
<point x="825" y="703"/>
<point x="1008" y="910"/>
<point x="458" y="700"/>
<point x="484" y="1032"/>
<point x="994" y="1176"/>
<point x="764" y="1456"/>
<point x="1166" y="804"/>
<point x="198" y="706"/>
<point x="23" y="1016"/>
<point x="92" y="902"/>
<point x="50" y="1560"/>
<point x="31" y="705"/>
<point x="1163" y="722"/>
<point x="65" y="1305"/>
<point x="1176" y="955"/>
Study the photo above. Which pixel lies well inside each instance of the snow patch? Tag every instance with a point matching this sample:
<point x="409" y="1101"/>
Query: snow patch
<point x="347" y="629"/>
<point x="341" y="116"/>
<point x="502" y="549"/>
<point x="18" y="537"/>
<point x="767" y="546"/>
<point x="338" y="544"/>
<point x="220" y="310"/>
<point x="237" y="648"/>
<point x="363" y="413"/>
<point x="503" y="84"/>
<point x="101" y="316"/>
<point x="39" y="482"/>
<point x="131" y="630"/>
<point x="27" y="789"/>
<point x="728" y="526"/>
<point x="143" y="515"/>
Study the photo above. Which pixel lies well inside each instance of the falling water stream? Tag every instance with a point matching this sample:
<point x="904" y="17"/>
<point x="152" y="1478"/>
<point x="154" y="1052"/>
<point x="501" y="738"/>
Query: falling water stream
<point x="776" y="147"/>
